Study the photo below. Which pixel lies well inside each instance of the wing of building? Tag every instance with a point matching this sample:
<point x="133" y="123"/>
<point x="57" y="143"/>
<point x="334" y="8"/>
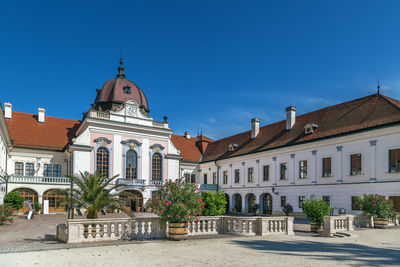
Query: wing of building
<point x="334" y="153"/>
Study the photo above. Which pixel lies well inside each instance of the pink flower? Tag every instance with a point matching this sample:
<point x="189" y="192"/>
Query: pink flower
<point x="197" y="220"/>
<point x="194" y="214"/>
<point x="159" y="201"/>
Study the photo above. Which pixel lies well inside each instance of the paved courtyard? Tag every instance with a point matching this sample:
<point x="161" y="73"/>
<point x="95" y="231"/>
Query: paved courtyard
<point x="368" y="247"/>
<point x="33" y="243"/>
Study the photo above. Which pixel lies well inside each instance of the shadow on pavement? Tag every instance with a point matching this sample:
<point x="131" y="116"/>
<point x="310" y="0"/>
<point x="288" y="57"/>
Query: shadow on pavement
<point x="360" y="254"/>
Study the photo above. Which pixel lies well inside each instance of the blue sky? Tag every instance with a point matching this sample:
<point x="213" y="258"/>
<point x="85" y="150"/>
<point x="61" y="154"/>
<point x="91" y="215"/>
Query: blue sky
<point x="207" y="65"/>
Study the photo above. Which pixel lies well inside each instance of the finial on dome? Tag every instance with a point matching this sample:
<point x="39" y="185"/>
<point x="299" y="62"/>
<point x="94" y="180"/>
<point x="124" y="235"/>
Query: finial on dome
<point x="121" y="69"/>
<point x="378" y="87"/>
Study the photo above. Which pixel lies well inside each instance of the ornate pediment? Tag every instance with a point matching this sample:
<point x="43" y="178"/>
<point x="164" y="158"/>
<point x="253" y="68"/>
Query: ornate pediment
<point x="157" y="148"/>
<point x="131" y="143"/>
<point x="104" y="141"/>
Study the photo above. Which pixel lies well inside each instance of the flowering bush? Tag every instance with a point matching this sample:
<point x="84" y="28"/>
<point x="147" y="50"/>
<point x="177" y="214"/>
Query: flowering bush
<point x="178" y="202"/>
<point x="376" y="205"/>
<point x="287" y="208"/>
<point x="6" y="212"/>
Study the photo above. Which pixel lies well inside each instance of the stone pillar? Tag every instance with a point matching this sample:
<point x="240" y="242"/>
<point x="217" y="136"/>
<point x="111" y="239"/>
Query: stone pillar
<point x="314" y="153"/>
<point x="372" y="164"/>
<point x="293" y="174"/>
<point x="259" y="173"/>
<point x="244" y="174"/>
<point x="339" y="173"/>
<point x="274" y="171"/>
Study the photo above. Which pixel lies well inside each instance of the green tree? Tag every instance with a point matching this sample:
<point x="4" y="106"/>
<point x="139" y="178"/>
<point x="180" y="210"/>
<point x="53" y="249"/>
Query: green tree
<point x="316" y="210"/>
<point x="92" y="192"/>
<point x="214" y="203"/>
<point x="15" y="200"/>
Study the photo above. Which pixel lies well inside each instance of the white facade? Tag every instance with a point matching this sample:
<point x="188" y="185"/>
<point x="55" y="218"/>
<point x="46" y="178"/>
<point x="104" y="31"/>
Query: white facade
<point x="374" y="146"/>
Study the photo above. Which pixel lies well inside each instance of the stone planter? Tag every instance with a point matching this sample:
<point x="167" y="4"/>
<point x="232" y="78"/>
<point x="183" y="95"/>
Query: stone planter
<point x="380" y="222"/>
<point x="177" y="231"/>
<point x="316" y="227"/>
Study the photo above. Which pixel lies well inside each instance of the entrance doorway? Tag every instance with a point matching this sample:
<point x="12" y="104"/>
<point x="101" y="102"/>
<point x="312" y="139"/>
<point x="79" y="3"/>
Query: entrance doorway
<point x="55" y="201"/>
<point x="132" y="200"/>
<point x="227" y="203"/>
<point x="238" y="202"/>
<point x="267" y="204"/>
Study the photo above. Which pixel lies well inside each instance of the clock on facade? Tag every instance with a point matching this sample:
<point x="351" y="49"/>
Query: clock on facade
<point x="132" y="111"/>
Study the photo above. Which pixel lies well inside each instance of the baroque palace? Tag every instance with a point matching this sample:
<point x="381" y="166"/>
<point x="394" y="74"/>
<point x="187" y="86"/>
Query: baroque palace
<point x="335" y="153"/>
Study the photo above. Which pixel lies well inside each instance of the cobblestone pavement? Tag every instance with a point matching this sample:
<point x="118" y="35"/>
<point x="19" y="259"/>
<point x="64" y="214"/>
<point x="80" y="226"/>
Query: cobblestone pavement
<point x="372" y="247"/>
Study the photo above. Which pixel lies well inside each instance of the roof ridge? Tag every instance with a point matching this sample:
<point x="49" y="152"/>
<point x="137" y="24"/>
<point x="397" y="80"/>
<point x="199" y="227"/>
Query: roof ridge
<point x="26" y="113"/>
<point x="390" y="100"/>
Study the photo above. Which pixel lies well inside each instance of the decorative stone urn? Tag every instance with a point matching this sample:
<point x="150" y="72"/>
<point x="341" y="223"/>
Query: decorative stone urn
<point x="316" y="227"/>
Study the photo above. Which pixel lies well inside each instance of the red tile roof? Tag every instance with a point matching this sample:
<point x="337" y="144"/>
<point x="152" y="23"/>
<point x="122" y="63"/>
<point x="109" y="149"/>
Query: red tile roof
<point x="189" y="150"/>
<point x="359" y="114"/>
<point x="53" y="134"/>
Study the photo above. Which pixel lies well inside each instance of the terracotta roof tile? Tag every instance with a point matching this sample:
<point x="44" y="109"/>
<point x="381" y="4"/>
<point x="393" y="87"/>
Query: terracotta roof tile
<point x="53" y="134"/>
<point x="189" y="150"/>
<point x="358" y="114"/>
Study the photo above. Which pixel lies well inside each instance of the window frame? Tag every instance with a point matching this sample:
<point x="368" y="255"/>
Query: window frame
<point x="303" y="169"/>
<point x="102" y="161"/>
<point x="285" y="175"/>
<point x="265" y="173"/>
<point x="193" y="178"/>
<point x="131" y="172"/>
<point x="283" y="201"/>
<point x="323" y="167"/>
<point x="57" y="170"/>
<point x="47" y="172"/>
<point x="397" y="164"/>
<point x="327" y="200"/>
<point x="19" y="171"/>
<point x="237" y="176"/>
<point x="354" y="205"/>
<point x="225" y="177"/>
<point x="357" y="171"/>
<point x="31" y="170"/>
<point x="205" y="178"/>
<point x="302" y="199"/>
<point x="250" y="174"/>
<point x="214" y="181"/>
<point x="156" y="173"/>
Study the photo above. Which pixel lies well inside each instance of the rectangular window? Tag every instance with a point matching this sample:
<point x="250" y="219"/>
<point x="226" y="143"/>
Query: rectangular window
<point x="301" y="200"/>
<point x="205" y="178"/>
<point x="214" y="178"/>
<point x="19" y="168"/>
<point x="225" y="177"/>
<point x="29" y="169"/>
<point x="355" y="204"/>
<point x="283" y="173"/>
<point x="266" y="173"/>
<point x="283" y="201"/>
<point x="326" y="167"/>
<point x="355" y="162"/>
<point x="327" y="199"/>
<point x="193" y="178"/>
<point x="303" y="169"/>
<point x="394" y="160"/>
<point x="47" y="170"/>
<point x="237" y="176"/>
<point x="250" y="173"/>
<point x="57" y="170"/>
<point x="187" y="177"/>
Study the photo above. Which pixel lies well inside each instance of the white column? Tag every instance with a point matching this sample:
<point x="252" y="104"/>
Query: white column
<point x="293" y="175"/>
<point x="117" y="156"/>
<point x="372" y="164"/>
<point x="244" y="174"/>
<point x="339" y="173"/>
<point x="259" y="173"/>
<point x="231" y="180"/>
<point x="145" y="160"/>
<point x="274" y="170"/>
<point x="314" y="153"/>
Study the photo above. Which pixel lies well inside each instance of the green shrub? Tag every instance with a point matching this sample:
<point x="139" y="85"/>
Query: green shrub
<point x="376" y="205"/>
<point x="37" y="206"/>
<point x="6" y="212"/>
<point x="214" y="203"/>
<point x="14" y="200"/>
<point x="316" y="210"/>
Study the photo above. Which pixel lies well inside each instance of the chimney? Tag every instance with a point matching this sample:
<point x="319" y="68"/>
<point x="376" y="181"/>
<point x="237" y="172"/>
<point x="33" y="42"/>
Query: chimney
<point x="290" y="117"/>
<point x="255" y="127"/>
<point x="41" y="116"/>
<point x="7" y="110"/>
<point x="187" y="135"/>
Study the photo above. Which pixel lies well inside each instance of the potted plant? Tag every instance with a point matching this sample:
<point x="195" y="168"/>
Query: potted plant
<point x="37" y="207"/>
<point x="256" y="209"/>
<point x="287" y="208"/>
<point x="378" y="207"/>
<point x="178" y="203"/>
<point x="315" y="211"/>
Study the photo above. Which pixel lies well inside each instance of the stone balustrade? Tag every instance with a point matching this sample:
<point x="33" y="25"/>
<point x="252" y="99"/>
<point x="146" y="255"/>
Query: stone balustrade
<point x="361" y="221"/>
<point x="84" y="230"/>
<point x="38" y="179"/>
<point x="334" y="224"/>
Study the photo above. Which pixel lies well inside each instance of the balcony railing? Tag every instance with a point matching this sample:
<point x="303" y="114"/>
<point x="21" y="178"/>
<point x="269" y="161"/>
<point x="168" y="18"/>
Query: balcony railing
<point x="38" y="179"/>
<point x="156" y="183"/>
<point x="208" y="187"/>
<point x="131" y="183"/>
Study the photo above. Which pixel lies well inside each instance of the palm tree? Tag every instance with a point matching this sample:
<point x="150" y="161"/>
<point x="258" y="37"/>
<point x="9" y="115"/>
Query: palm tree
<point x="92" y="192"/>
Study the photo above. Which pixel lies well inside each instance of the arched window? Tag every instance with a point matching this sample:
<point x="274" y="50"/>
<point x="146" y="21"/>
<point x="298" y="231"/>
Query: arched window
<point x="131" y="164"/>
<point x="156" y="167"/>
<point x="102" y="163"/>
